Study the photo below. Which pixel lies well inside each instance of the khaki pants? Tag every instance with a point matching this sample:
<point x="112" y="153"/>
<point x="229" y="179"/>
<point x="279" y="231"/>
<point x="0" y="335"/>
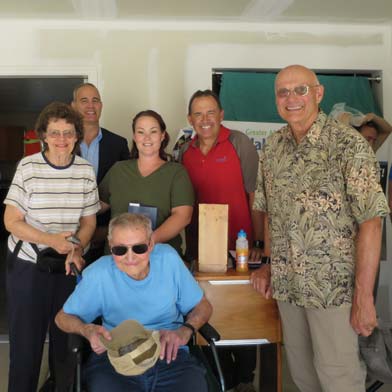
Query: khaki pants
<point x="322" y="349"/>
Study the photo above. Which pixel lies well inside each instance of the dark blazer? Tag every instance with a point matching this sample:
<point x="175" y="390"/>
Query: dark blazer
<point x="112" y="148"/>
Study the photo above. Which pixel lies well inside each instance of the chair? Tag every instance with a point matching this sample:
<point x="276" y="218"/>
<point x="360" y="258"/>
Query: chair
<point x="77" y="345"/>
<point x="375" y="386"/>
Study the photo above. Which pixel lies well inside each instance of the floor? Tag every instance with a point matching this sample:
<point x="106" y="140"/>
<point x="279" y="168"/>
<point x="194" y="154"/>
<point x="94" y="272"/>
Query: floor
<point x="4" y="367"/>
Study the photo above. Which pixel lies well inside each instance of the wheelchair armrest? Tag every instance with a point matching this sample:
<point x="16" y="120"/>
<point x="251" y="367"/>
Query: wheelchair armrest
<point x="75" y="343"/>
<point x="209" y="333"/>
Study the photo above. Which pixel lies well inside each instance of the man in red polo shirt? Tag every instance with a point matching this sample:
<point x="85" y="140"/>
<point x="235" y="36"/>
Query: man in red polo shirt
<point x="222" y="165"/>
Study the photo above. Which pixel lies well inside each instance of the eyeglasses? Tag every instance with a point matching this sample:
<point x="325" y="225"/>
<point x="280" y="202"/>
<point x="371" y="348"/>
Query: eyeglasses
<point x="121" y="250"/>
<point x="300" y="90"/>
<point x="58" y="134"/>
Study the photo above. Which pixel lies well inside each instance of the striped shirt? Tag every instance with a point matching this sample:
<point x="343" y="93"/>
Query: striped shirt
<point x="52" y="198"/>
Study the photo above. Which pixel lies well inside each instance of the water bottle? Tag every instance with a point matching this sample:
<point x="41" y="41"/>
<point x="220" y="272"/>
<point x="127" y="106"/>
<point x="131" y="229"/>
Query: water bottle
<point x="241" y="252"/>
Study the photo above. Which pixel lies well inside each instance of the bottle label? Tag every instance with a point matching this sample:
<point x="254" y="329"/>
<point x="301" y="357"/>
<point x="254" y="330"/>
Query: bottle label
<point x="242" y="260"/>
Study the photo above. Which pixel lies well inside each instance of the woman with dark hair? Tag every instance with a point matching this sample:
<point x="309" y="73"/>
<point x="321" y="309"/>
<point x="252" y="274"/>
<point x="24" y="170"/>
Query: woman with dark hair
<point x="52" y="201"/>
<point x="149" y="179"/>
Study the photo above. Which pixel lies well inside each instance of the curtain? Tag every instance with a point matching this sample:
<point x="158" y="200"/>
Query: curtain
<point x="249" y="96"/>
<point x="354" y="90"/>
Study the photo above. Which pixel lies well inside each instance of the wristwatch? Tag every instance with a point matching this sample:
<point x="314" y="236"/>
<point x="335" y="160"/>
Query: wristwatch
<point x="266" y="260"/>
<point x="259" y="244"/>
<point x="190" y="326"/>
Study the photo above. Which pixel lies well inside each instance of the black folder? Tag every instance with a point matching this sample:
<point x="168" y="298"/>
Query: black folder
<point x="148" y="211"/>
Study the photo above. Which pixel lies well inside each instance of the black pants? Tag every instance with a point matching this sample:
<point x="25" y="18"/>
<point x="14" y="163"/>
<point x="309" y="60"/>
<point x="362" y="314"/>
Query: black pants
<point x="33" y="300"/>
<point x="183" y="374"/>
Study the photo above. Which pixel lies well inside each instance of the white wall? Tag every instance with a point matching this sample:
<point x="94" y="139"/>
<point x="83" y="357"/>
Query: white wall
<point x="159" y="65"/>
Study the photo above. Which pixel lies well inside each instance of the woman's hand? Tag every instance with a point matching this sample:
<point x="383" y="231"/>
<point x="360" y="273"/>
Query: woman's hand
<point x="75" y="257"/>
<point x="60" y="243"/>
<point x="15" y="223"/>
<point x="179" y="218"/>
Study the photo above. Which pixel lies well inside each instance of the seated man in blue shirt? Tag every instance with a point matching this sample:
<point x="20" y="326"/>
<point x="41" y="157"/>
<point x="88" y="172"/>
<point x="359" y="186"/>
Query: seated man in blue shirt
<point x="142" y="282"/>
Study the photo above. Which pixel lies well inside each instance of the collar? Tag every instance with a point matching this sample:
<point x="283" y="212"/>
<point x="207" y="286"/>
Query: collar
<point x="97" y="138"/>
<point x="314" y="132"/>
<point x="223" y="135"/>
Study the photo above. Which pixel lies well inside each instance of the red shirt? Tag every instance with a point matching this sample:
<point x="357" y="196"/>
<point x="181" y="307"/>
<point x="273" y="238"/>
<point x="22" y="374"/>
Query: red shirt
<point x="217" y="178"/>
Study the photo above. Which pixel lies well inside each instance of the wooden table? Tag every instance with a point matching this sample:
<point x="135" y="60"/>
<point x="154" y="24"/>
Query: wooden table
<point x="242" y="316"/>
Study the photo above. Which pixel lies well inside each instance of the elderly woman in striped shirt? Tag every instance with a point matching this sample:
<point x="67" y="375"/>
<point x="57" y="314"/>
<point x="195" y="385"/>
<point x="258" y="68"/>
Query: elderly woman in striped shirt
<point x="52" y="199"/>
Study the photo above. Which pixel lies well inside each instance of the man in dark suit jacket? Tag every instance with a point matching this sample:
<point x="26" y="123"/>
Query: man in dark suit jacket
<point x="112" y="148"/>
<point x="101" y="148"/>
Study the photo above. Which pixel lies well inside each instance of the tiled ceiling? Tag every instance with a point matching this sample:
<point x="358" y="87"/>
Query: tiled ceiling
<point x="326" y="11"/>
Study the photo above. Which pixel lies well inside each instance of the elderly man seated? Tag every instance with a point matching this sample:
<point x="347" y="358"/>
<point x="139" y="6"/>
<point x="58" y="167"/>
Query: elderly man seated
<point x="143" y="282"/>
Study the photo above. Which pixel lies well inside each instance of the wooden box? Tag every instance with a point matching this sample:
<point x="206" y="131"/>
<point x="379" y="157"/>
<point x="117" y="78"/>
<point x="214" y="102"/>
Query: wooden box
<point x="213" y="232"/>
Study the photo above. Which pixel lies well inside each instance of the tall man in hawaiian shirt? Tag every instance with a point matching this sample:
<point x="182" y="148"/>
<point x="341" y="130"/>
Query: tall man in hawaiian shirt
<point x="318" y="184"/>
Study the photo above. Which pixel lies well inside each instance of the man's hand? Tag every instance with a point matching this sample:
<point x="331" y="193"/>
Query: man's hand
<point x="172" y="340"/>
<point x="363" y="315"/>
<point x="255" y="254"/>
<point x="368" y="247"/>
<point x="92" y="333"/>
<point x="261" y="281"/>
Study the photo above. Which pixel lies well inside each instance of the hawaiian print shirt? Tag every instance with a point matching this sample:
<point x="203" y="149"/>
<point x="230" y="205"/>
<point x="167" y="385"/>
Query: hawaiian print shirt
<point x="316" y="193"/>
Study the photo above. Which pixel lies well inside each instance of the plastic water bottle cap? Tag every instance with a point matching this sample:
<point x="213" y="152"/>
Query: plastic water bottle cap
<point x="242" y="234"/>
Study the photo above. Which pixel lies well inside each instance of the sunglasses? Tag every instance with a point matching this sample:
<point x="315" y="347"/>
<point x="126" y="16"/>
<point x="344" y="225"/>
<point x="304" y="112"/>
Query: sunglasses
<point x="301" y="90"/>
<point x="121" y="250"/>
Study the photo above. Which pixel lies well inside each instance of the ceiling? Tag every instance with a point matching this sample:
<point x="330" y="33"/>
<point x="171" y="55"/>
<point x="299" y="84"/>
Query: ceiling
<point x="305" y="11"/>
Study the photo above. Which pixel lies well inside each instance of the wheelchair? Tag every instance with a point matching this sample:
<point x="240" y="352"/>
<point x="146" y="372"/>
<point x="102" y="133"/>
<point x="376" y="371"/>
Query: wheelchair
<point x="375" y="386"/>
<point x="214" y="374"/>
